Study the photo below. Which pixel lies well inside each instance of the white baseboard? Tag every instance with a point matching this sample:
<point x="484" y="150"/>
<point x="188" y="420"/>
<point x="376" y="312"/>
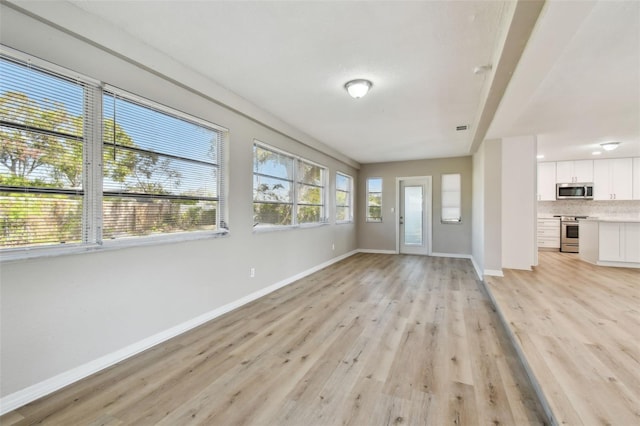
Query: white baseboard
<point x="455" y="255"/>
<point x="31" y="393"/>
<point x="494" y="272"/>
<point x="377" y="251"/>
<point x="477" y="269"/>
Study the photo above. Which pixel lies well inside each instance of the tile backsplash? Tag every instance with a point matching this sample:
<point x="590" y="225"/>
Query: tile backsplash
<point x="601" y="209"/>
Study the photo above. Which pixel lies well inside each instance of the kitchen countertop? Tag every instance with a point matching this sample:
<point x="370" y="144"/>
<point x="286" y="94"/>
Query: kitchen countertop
<point x="612" y="219"/>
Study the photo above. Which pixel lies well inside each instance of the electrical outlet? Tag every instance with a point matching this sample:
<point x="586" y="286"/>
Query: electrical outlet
<point x="252" y="273"/>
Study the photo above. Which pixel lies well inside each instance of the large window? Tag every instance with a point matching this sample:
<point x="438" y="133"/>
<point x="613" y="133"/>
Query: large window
<point x="161" y="172"/>
<point x="451" y="198"/>
<point x="287" y="190"/>
<point x="45" y="126"/>
<point x="374" y="200"/>
<point x="344" y="189"/>
<point x="71" y="174"/>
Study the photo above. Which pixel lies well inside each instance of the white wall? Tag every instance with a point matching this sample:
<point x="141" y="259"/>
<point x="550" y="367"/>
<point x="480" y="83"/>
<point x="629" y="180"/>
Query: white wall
<point x="487" y="207"/>
<point x="478" y="237"/>
<point x="60" y="313"/>
<point x="519" y="202"/>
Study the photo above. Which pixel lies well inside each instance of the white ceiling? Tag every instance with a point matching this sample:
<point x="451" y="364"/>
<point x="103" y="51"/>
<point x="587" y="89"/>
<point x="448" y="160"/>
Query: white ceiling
<point x="577" y="83"/>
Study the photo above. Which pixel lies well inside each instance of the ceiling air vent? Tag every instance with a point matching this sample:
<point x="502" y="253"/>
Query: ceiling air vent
<point x="463" y="127"/>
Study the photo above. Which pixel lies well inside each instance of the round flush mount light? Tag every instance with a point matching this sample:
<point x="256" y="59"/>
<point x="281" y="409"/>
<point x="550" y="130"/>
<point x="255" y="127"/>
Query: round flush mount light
<point x="609" y="146"/>
<point x="358" y="88"/>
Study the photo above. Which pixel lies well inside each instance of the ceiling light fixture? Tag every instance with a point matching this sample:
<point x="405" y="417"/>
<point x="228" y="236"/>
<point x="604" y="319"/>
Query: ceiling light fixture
<point x="358" y="88"/>
<point x="540" y="156"/>
<point x="596" y="153"/>
<point x="609" y="146"/>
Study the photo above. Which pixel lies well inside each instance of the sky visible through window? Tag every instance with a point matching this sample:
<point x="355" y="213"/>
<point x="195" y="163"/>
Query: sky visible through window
<point x="149" y="129"/>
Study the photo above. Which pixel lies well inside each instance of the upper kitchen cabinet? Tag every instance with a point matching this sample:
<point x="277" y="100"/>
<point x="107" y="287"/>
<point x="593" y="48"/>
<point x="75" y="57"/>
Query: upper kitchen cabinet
<point x="612" y="179"/>
<point x="636" y="178"/>
<point x="574" y="171"/>
<point x="546" y="181"/>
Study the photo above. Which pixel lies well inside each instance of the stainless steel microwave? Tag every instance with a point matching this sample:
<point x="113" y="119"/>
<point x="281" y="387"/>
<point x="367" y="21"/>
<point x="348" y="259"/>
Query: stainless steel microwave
<point x="574" y="191"/>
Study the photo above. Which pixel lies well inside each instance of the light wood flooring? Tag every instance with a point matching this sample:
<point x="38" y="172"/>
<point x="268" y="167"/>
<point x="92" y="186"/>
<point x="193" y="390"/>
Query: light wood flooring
<point x="372" y="340"/>
<point x="578" y="328"/>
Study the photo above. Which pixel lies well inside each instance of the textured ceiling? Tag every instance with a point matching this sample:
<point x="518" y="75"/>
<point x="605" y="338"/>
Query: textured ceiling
<point x="578" y="82"/>
<point x="293" y="58"/>
<point x="285" y="63"/>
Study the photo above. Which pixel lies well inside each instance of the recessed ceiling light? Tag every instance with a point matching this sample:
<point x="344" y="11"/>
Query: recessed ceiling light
<point x="596" y="153"/>
<point x="540" y="156"/>
<point x="358" y="88"/>
<point x="609" y="146"/>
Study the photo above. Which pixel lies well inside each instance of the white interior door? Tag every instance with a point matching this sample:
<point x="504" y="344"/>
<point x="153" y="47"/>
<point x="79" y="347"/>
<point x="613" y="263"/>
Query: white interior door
<point x="414" y="208"/>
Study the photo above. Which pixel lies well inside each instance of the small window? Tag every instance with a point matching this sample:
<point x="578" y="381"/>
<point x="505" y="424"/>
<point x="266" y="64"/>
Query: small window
<point x="287" y="190"/>
<point x="310" y="193"/>
<point x="273" y="184"/>
<point x="374" y="200"/>
<point x="344" y="189"/>
<point x="451" y="198"/>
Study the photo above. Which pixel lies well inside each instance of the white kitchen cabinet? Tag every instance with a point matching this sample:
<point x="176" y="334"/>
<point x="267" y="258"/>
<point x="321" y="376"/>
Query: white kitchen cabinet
<point x="547" y="181"/>
<point x="636" y="178"/>
<point x="613" y="179"/>
<point x="574" y="171"/>
<point x="620" y="242"/>
<point x="549" y="233"/>
<point x="632" y="242"/>
<point x="610" y="242"/>
<point x="610" y="248"/>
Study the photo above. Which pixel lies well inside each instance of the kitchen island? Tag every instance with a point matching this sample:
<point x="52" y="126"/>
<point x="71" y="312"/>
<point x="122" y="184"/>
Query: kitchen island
<point x="610" y="241"/>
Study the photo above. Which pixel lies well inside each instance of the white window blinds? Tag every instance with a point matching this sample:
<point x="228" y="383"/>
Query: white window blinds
<point x="451" y="198"/>
<point x="45" y="129"/>
<point x="79" y="164"/>
<point x="161" y="171"/>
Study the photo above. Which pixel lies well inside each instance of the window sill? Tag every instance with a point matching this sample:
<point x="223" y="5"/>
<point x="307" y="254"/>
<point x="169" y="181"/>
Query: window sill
<point x="275" y="228"/>
<point x="344" y="222"/>
<point x="64" y="250"/>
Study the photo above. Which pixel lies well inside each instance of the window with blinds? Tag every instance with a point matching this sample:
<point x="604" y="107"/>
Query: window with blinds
<point x="80" y="165"/>
<point x="161" y="172"/>
<point x="344" y="189"/>
<point x="287" y="190"/>
<point x="45" y="127"/>
<point x="451" y="198"/>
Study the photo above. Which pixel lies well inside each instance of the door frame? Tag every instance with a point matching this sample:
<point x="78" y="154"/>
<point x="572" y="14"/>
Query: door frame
<point x="428" y="197"/>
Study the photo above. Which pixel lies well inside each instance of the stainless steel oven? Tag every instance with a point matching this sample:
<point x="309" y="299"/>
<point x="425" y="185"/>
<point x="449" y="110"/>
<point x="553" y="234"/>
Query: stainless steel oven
<point x="570" y="233"/>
